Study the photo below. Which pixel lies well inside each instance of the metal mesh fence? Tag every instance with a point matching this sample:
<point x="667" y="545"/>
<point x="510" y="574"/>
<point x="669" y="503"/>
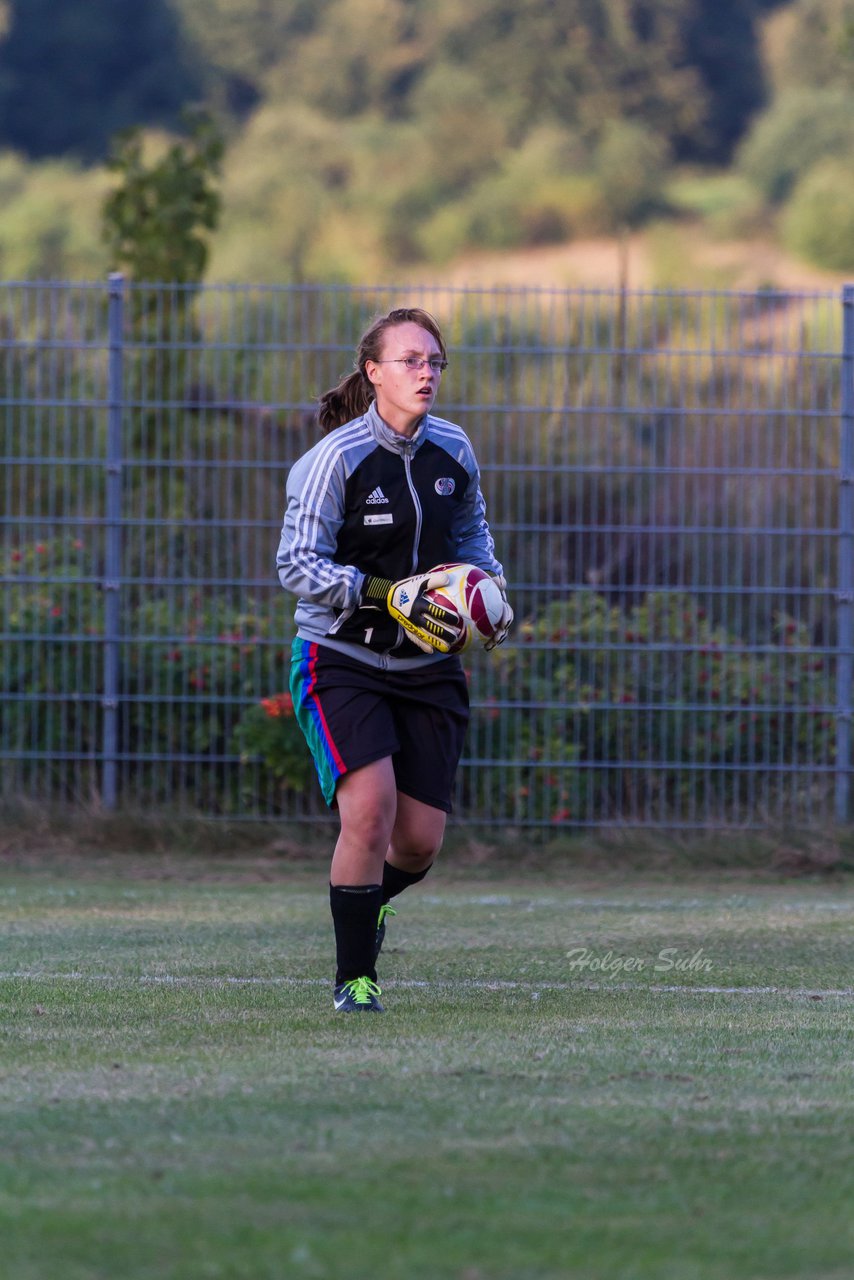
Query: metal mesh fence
<point x="668" y="477"/>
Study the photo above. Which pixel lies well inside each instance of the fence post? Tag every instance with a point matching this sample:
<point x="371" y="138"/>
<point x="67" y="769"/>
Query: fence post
<point x="845" y="572"/>
<point x="113" y="541"/>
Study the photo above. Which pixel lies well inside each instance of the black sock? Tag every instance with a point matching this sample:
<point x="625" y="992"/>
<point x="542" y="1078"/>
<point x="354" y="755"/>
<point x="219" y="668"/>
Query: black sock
<point x="355" y="909"/>
<point x="395" y="880"/>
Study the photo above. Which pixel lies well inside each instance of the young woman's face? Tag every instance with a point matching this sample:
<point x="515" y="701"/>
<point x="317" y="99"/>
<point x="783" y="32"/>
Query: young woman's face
<point x="405" y="395"/>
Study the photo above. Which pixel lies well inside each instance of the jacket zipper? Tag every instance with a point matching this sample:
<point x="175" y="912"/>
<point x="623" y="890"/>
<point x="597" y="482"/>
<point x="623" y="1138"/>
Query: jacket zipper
<point x="407" y="471"/>
<point x="407" y="466"/>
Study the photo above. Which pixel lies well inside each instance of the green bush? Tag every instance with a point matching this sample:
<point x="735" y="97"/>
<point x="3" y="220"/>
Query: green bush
<point x="588" y="713"/>
<point x="51" y="670"/>
<point x="799" y="129"/>
<point x="538" y="193"/>
<point x="197" y="663"/>
<point x="611" y="711"/>
<point x="189" y="668"/>
<point x="818" y="223"/>
<point x="269" y="731"/>
<point x="49" y="220"/>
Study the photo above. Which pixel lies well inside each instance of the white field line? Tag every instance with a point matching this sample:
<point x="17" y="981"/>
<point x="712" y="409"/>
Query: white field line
<point x="470" y="984"/>
<point x="532" y="902"/>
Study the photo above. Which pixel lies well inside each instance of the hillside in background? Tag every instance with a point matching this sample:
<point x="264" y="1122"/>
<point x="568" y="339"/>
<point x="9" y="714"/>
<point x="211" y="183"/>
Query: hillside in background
<point x="388" y="139"/>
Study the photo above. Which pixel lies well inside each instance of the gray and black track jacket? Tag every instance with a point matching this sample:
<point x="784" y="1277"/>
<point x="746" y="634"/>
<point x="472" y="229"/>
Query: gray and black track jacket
<point x="368" y="501"/>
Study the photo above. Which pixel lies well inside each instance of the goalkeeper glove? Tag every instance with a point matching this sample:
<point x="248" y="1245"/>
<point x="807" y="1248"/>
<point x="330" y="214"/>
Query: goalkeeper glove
<point x="506" y="621"/>
<point x="433" y="626"/>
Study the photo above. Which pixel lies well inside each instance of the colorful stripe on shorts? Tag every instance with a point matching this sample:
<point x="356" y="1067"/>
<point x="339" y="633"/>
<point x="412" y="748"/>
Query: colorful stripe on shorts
<point x="309" y="712"/>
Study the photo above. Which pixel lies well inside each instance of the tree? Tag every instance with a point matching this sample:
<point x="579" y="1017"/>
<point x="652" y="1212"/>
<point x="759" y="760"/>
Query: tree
<point x="73" y="74"/>
<point x="156" y="224"/>
<point x="721" y="42"/>
<point x="240" y="40"/>
<point x="815" y="45"/>
<point x="802" y="127"/>
<point x="630" y="166"/>
<point x="581" y="62"/>
<point x="345" y="67"/>
<point x="155" y="221"/>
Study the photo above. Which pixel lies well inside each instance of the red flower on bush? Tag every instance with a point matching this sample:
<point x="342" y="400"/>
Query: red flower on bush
<point x="281" y="704"/>
<point x="269" y="732"/>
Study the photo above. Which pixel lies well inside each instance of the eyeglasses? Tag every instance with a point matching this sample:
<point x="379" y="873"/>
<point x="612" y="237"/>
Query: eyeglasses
<point x="414" y="363"/>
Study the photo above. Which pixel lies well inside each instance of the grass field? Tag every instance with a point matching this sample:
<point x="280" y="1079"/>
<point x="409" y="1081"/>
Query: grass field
<point x="620" y="1076"/>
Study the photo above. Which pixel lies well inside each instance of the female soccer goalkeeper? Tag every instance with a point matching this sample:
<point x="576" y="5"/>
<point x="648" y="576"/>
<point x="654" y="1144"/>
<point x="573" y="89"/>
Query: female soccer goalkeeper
<point x="389" y="493"/>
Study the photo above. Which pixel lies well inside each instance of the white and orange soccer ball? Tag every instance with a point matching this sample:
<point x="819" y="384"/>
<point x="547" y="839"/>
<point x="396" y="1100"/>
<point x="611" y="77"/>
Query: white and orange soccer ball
<point x="477" y="599"/>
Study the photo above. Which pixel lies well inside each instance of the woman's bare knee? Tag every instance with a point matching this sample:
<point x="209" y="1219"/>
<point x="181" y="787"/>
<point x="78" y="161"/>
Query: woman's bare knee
<point x="417" y="835"/>
<point x="367" y="805"/>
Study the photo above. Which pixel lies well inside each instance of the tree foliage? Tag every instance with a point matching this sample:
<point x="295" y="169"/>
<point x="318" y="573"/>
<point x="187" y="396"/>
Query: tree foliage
<point x="48" y="218"/>
<point x="238" y="41"/>
<point x="577" y="63"/>
<point x="816" y="49"/>
<point x="73" y="74"/>
<point x="630" y="166"/>
<point x="802" y="127"/>
<point x="819" y="219"/>
<point x="362" y="133"/>
<point x="155" y="221"/>
<point x="721" y="44"/>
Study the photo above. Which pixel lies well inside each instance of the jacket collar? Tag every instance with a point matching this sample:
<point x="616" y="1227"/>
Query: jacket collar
<point x="393" y="440"/>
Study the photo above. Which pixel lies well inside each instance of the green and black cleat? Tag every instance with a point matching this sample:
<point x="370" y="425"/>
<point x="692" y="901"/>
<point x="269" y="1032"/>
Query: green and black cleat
<point x="359" y="995"/>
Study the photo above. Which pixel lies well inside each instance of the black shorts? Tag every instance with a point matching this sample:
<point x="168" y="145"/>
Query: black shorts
<point x="352" y="714"/>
